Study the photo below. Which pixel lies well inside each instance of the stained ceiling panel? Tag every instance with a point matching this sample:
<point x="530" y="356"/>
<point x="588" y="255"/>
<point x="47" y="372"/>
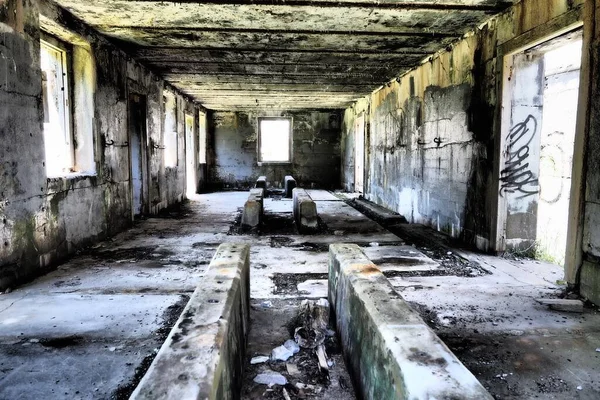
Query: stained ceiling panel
<point x="236" y="54"/>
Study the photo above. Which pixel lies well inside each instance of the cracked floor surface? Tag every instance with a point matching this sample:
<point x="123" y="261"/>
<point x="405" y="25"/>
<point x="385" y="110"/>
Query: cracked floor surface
<point x="88" y="329"/>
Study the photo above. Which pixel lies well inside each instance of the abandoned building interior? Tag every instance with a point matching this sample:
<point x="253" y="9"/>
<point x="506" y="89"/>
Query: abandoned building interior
<point x="300" y="199"/>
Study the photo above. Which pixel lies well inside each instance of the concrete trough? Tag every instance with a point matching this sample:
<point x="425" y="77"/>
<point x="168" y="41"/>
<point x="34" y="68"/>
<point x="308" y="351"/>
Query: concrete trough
<point x="305" y="211"/>
<point x="261" y="182"/>
<point x="253" y="209"/>
<point x="389" y="350"/>
<point x="203" y="357"/>
<point x="289" y="183"/>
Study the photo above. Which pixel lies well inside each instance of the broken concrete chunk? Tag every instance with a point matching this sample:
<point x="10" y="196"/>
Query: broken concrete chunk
<point x="259" y="360"/>
<point x="292" y="369"/>
<point x="270" y="378"/>
<point x="292" y="346"/>
<point x="314" y="317"/>
<point x="266" y="304"/>
<point x="563" y="304"/>
<point x="281" y="353"/>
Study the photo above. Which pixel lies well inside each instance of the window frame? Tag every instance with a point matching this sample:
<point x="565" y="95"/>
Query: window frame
<point x="202" y="138"/>
<point x="169" y="96"/>
<point x="290" y="139"/>
<point x="55" y="44"/>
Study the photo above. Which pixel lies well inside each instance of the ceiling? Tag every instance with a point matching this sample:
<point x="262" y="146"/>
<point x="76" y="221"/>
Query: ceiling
<point x="282" y="54"/>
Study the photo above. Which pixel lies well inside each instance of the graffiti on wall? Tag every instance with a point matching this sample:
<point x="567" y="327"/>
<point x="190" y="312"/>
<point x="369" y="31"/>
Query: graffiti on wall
<point x="517" y="177"/>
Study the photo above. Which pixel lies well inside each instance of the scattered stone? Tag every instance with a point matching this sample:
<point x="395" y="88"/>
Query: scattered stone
<point x="579" y="387"/>
<point x="292" y="346"/>
<point x="293" y="370"/>
<point x="270" y="378"/>
<point x="266" y="304"/>
<point x="374" y="244"/>
<point x="259" y="360"/>
<point x="281" y="353"/>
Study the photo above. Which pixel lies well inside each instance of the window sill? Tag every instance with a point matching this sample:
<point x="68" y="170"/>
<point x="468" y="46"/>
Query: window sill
<point x="73" y="180"/>
<point x="261" y="163"/>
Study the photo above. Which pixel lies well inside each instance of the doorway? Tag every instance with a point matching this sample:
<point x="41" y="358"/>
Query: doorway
<point x="540" y="99"/>
<point x="191" y="163"/>
<point x="137" y="141"/>
<point x="359" y="154"/>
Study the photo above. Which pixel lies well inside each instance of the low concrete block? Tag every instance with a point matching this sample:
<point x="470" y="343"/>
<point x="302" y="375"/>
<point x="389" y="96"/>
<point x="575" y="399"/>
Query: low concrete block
<point x="289" y="183"/>
<point x="261" y="182"/>
<point x="590" y="281"/>
<point x="253" y="209"/>
<point x="203" y="357"/>
<point x="305" y="211"/>
<point x="391" y="352"/>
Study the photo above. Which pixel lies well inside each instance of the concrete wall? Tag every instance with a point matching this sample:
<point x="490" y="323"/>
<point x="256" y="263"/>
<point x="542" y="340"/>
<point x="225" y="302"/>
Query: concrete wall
<point x="431" y="133"/>
<point x="589" y="275"/>
<point x="43" y="220"/>
<point x="316" y="150"/>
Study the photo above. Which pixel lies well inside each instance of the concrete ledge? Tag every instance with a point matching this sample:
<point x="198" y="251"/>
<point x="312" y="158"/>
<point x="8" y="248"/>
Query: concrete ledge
<point x="253" y="209"/>
<point x="289" y="183"/>
<point x="261" y="182"/>
<point x="305" y="211"/>
<point x="390" y="351"/>
<point x="203" y="357"/>
<point x="379" y="213"/>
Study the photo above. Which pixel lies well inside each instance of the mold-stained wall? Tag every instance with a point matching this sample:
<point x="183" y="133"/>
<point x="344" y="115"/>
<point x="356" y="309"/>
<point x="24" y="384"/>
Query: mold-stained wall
<point x="315" y="150"/>
<point x="431" y="133"/>
<point x="43" y="220"/>
<point x="589" y="274"/>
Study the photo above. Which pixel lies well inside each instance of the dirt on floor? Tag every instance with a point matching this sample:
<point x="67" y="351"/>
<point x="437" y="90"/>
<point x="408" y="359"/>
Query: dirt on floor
<point x="170" y="317"/>
<point x="273" y="321"/>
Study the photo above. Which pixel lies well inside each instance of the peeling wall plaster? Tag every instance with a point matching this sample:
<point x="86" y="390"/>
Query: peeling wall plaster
<point x="43" y="220"/>
<point x="316" y="150"/>
<point x="430" y="133"/>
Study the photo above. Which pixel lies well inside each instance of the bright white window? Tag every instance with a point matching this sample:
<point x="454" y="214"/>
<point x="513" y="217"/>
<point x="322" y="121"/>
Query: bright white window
<point x="275" y="140"/>
<point x="202" y="139"/>
<point x="170" y="130"/>
<point x="57" y="113"/>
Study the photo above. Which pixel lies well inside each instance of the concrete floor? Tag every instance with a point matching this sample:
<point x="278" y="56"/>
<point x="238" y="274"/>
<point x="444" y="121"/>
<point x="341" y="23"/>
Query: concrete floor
<point x="88" y="328"/>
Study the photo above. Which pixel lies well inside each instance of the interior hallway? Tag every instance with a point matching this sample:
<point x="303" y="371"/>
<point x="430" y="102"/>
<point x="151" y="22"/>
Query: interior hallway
<point x="90" y="328"/>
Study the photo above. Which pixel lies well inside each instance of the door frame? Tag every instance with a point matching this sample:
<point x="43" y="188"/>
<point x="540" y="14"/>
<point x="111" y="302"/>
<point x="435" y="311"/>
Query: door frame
<point x="143" y="151"/>
<point x="360" y="116"/>
<point x="191" y="152"/>
<point x="562" y="25"/>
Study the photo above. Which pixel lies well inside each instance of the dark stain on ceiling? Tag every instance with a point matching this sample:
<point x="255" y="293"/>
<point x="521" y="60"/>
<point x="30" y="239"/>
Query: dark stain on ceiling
<point x="281" y="54"/>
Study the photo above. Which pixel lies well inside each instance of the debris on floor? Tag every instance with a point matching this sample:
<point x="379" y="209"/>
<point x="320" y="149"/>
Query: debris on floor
<point x="311" y="363"/>
<point x="270" y="378"/>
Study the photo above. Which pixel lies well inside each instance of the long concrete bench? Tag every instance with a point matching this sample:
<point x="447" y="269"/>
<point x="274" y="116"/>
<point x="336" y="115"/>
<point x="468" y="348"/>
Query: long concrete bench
<point x="289" y="183"/>
<point x="203" y="357"/>
<point x="390" y="351"/>
<point x="261" y="182"/>
<point x="305" y="211"/>
<point x="253" y="209"/>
